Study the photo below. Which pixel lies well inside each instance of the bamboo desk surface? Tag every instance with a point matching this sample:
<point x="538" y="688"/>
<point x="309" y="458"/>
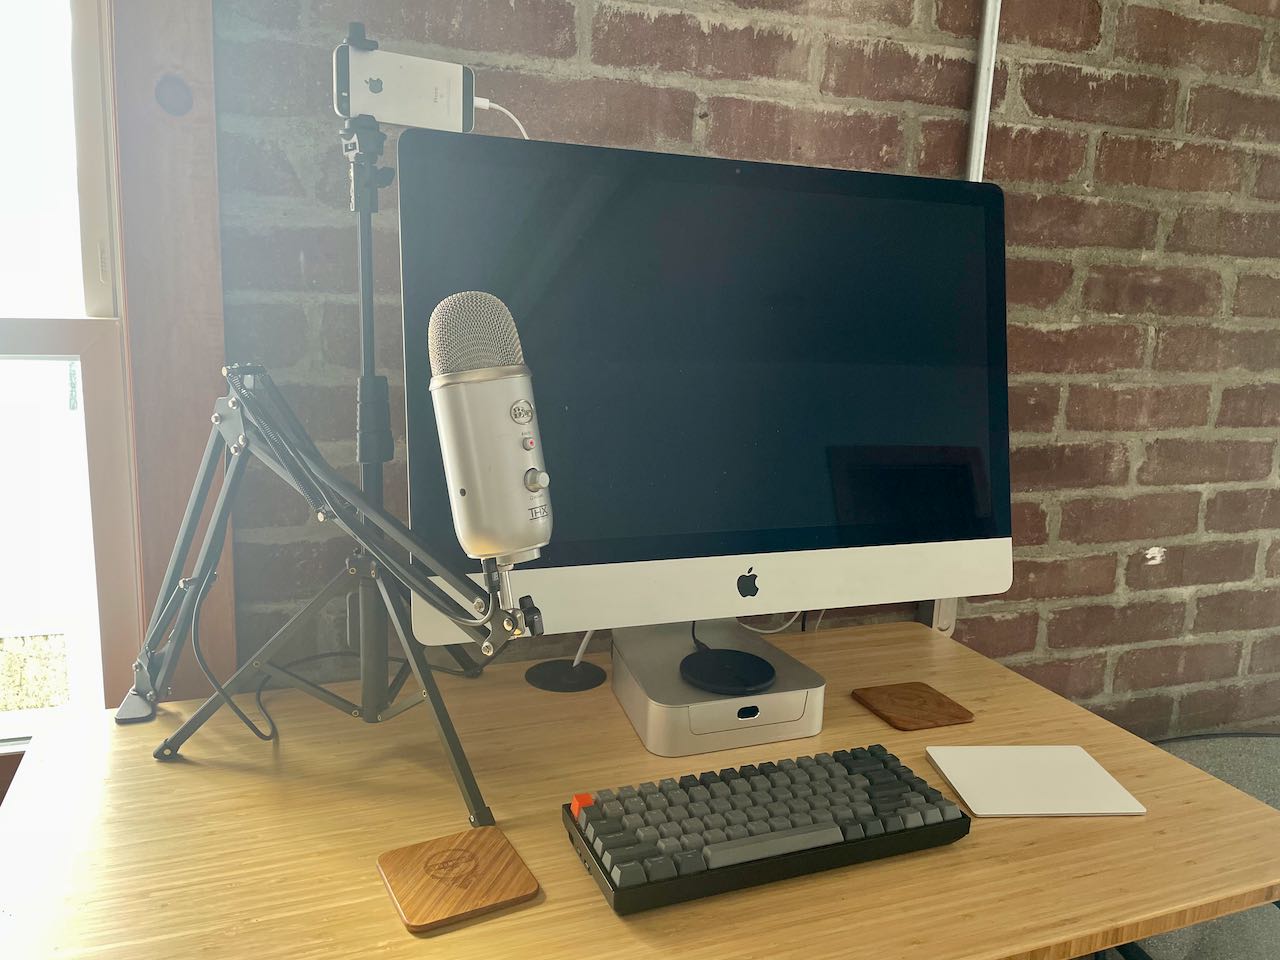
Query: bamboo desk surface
<point x="267" y="851"/>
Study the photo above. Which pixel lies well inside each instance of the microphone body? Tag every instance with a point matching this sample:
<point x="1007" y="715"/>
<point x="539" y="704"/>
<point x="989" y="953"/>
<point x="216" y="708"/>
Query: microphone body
<point x="488" y="427"/>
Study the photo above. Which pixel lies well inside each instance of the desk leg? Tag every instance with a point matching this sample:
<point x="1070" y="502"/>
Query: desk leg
<point x="480" y="815"/>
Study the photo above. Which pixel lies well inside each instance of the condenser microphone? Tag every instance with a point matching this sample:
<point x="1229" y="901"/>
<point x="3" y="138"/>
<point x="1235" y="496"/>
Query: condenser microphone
<point x="488" y="426"/>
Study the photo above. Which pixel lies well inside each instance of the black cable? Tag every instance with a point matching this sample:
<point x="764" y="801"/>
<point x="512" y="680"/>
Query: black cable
<point x="1215" y="736"/>
<point x="693" y="632"/>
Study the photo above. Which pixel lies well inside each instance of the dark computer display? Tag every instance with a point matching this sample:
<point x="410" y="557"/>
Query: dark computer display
<point x="727" y="357"/>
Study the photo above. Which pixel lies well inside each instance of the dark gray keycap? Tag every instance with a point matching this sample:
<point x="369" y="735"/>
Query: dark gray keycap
<point x="776" y="808"/>
<point x="823" y="787"/>
<point x="800" y="819"/>
<point x="692" y="841"/>
<point x="656" y="801"/>
<point x="842" y="814"/>
<point x="689" y="861"/>
<point x="852" y="830"/>
<point x="760" y="797"/>
<point x="699" y="793"/>
<point x="677" y="814"/>
<point x="626" y="793"/>
<point x="802" y="790"/>
<point x="659" y="868"/>
<point x="736" y="831"/>
<point x="757" y="827"/>
<point x="779" y="823"/>
<point x="797" y="806"/>
<point x="647" y="835"/>
<point x="667" y="784"/>
<point x="911" y="818"/>
<point x="759" y="813"/>
<point x="821" y="816"/>
<point x="860" y="782"/>
<point x="892" y="823"/>
<point x="669" y="846"/>
<point x="655" y="818"/>
<point x="735" y="817"/>
<point x="674" y="830"/>
<point x="714" y="836"/>
<point x="627" y="875"/>
<point x="805" y="761"/>
<point x="949" y="810"/>
<point x="698" y="809"/>
<point x="872" y="827"/>
<point x="786" y="764"/>
<point x="647" y="788"/>
<point x="720" y="805"/>
<point x="678" y="798"/>
<point x="817" y="773"/>
<point x="633" y="805"/>
<point x="714" y="821"/>
<point x="615" y="841"/>
<point x="740" y="801"/>
<point x="719" y="789"/>
<point x="632" y="821"/>
<point x="780" y="793"/>
<point x="804" y="837"/>
<point x="605" y="795"/>
<point x="613" y="809"/>
<point x="822" y="757"/>
<point x="760" y="783"/>
<point x="637" y="851"/>
<point x="780" y="779"/>
<point x="739" y="787"/>
<point x="602" y="828"/>
<point x="931" y="814"/>
<point x="818" y="803"/>
<point x="692" y="825"/>
<point x="799" y="776"/>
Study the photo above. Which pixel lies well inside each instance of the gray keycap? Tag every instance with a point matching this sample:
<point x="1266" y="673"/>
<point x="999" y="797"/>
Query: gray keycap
<point x="692" y="825"/>
<point x="632" y="821"/>
<point x="802" y="790"/>
<point x="714" y="821"/>
<point x="821" y="816"/>
<point x="719" y="789"/>
<point x="605" y="795"/>
<point x="674" y="831"/>
<point x="714" y="836"/>
<point x="779" y="823"/>
<point x="698" y="809"/>
<point x="613" y="840"/>
<point x="871" y="827"/>
<point x="799" y="776"/>
<point x="757" y="827"/>
<point x="736" y="832"/>
<point x="771" y="844"/>
<point x="613" y="810"/>
<point x="659" y="868"/>
<point x="647" y="788"/>
<point x="912" y="818"/>
<point x="740" y="801"/>
<point x="699" y="793"/>
<point x="823" y="788"/>
<point x="633" y="805"/>
<point x="780" y="793"/>
<point x="656" y="801"/>
<point x="842" y="814"/>
<point x="692" y="841"/>
<point x="760" y="797"/>
<point x="780" y="779"/>
<point x="805" y="761"/>
<point x="627" y="875"/>
<point x="823" y="757"/>
<point x="800" y="819"/>
<point x="739" y="787"/>
<point x="637" y="851"/>
<point x="677" y="814"/>
<point x="786" y="764"/>
<point x="931" y="814"/>
<point x="720" y="805"/>
<point x="600" y="828"/>
<point x="667" y="784"/>
<point x="647" y="835"/>
<point x="626" y="793"/>
<point x="797" y="806"/>
<point x="949" y="810"/>
<point x="818" y="803"/>
<point x="776" y="808"/>
<point x="892" y="823"/>
<point x="669" y="846"/>
<point x="862" y="810"/>
<point x="817" y="774"/>
<point x="760" y="783"/>
<point x="655" y="818"/>
<point x="852" y="831"/>
<point x="678" y="798"/>
<point x="735" y="817"/>
<point x="690" y="861"/>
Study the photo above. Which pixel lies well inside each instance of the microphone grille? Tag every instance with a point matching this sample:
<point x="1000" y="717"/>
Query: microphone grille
<point x="472" y="331"/>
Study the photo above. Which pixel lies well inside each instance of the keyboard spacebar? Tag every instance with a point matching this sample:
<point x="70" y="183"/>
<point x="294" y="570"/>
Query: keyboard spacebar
<point x="729" y="852"/>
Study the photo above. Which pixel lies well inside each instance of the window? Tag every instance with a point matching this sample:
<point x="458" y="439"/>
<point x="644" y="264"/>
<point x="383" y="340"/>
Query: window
<point x="68" y="570"/>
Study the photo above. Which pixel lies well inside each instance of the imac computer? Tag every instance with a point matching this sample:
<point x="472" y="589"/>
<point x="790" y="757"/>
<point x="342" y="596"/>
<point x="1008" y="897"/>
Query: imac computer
<point x="761" y="388"/>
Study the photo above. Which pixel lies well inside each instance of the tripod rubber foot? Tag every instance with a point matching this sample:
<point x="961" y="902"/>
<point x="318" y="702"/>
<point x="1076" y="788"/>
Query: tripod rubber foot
<point x="135" y="708"/>
<point x="165" y="752"/>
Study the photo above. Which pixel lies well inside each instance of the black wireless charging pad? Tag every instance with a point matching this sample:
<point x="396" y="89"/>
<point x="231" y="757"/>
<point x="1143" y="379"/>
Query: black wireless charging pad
<point x="729" y="672"/>
<point x="561" y="676"/>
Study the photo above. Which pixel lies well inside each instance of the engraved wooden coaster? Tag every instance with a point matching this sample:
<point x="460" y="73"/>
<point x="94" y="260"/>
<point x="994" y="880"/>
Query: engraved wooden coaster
<point x="451" y="878"/>
<point x="912" y="706"/>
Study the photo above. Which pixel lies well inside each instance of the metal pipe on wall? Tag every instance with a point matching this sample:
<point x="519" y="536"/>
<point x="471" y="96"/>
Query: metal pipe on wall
<point x="984" y="81"/>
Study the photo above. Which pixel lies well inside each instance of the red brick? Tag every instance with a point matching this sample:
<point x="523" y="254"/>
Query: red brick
<point x="857" y="11"/>
<point x="1234" y="511"/>
<point x="1238" y="610"/>
<point x="1090" y="348"/>
<point x="1170" y="291"/>
<point x="1235" y="115"/>
<point x="1139" y="517"/>
<point x="292" y="259"/>
<point x="1036" y="283"/>
<point x="1228" y="706"/>
<point x="340" y="336"/>
<point x="279" y="572"/>
<point x="1030" y="527"/>
<point x="1273" y="559"/>
<point x="1194" y="563"/>
<point x="1099" y="625"/>
<point x="760" y="130"/>
<point x="1032" y="407"/>
<point x="1064" y="466"/>
<point x="1233" y="232"/>
<point x="1149" y="717"/>
<point x="1077" y="679"/>
<point x="1014" y="154"/>
<point x="1260" y="8"/>
<point x="1091" y="576"/>
<point x="264" y="500"/>
<point x="1257" y="296"/>
<point x="1173" y="665"/>
<point x="1265" y="657"/>
<point x="1168" y="164"/>
<point x="886" y="70"/>
<point x="1098" y="96"/>
<point x="681" y="43"/>
<point x="1267" y="185"/>
<point x="1255" y="405"/>
<point x="544" y="28"/>
<point x="1106" y="407"/>
<point x="1217" y="350"/>
<point x="258" y="167"/>
<point x="276" y="14"/>
<point x="1175" y="460"/>
<point x="1169" y="39"/>
<point x="615" y="113"/>
<point x="1070" y="25"/>
<point x="273" y="78"/>
<point x="1043" y="220"/>
<point x="273" y="334"/>
<point x="1001" y="635"/>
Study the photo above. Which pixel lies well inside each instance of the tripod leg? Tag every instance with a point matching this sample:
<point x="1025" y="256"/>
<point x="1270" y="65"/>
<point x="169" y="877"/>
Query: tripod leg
<point x="168" y="750"/>
<point x="373" y="649"/>
<point x="139" y="702"/>
<point x="480" y="815"/>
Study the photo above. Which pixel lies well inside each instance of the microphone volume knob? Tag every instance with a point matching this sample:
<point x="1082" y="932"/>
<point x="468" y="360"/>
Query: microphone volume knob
<point x="536" y="480"/>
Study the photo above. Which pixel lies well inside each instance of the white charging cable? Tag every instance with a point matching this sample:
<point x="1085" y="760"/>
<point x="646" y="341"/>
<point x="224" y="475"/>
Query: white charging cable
<point x="587" y="638"/>
<point x="482" y="103"/>
<point x="794" y="617"/>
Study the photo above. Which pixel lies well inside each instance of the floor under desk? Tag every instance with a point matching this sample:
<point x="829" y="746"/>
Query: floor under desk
<point x="250" y="849"/>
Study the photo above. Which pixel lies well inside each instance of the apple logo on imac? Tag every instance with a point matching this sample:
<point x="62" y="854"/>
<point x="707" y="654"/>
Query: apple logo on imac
<point x="747" y="586"/>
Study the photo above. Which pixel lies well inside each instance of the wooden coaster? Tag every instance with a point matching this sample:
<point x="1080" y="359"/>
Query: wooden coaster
<point x="912" y="706"/>
<point x="452" y="878"/>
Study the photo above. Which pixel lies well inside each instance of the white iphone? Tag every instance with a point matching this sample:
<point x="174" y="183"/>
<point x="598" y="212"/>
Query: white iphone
<point x="403" y="90"/>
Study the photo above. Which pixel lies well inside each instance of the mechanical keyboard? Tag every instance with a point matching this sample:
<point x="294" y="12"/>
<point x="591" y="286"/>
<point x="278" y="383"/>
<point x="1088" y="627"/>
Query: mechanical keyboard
<point x="696" y="835"/>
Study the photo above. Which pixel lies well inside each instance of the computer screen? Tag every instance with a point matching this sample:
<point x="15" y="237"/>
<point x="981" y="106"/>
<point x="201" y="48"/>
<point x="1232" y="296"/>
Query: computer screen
<point x="727" y="357"/>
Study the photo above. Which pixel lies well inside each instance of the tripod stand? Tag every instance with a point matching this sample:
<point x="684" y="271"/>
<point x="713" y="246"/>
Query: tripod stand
<point x="388" y="562"/>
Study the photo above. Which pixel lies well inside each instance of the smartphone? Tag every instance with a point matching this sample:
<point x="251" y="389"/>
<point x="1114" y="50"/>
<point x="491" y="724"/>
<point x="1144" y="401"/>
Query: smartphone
<point x="402" y="90"/>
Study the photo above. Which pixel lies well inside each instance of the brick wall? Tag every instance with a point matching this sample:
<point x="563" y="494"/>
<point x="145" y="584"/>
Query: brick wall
<point x="1139" y="144"/>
